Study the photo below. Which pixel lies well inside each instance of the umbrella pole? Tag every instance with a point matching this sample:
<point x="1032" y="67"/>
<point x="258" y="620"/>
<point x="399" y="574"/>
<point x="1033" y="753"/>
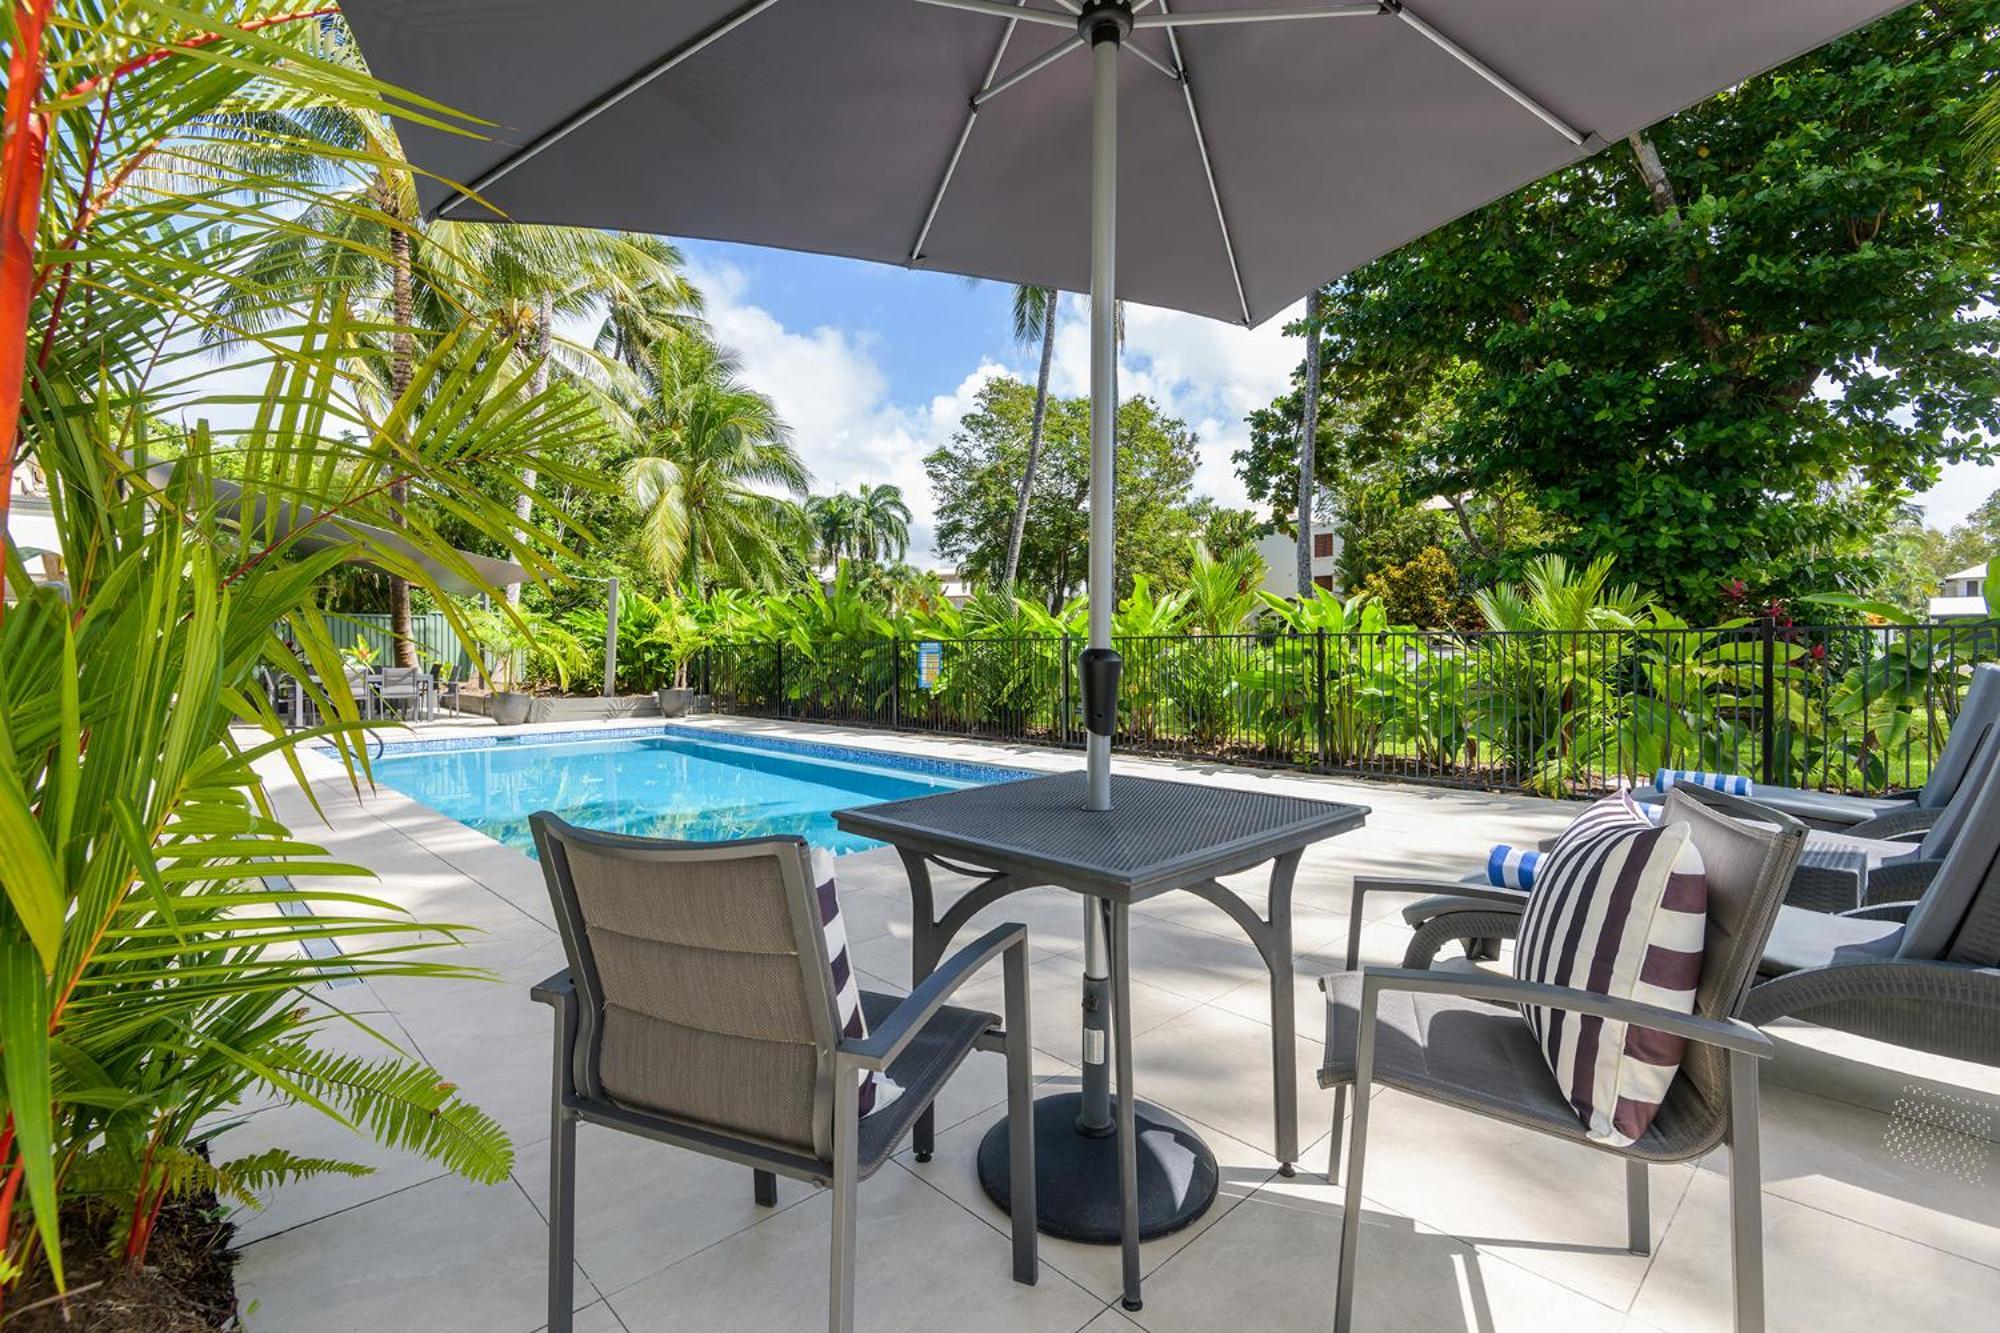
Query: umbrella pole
<point x="1100" y="663"/>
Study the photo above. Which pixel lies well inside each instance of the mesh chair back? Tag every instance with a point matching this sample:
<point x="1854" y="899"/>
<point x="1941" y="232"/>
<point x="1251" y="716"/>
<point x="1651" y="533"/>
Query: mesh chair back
<point x="1978" y="720"/>
<point x="1958" y="917"/>
<point x="401" y="680"/>
<point x="1748" y="866"/>
<point x="706" y="994"/>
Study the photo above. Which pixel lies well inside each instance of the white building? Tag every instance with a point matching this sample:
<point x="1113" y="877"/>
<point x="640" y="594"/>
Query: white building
<point x="1281" y="560"/>
<point x="1963" y="594"/>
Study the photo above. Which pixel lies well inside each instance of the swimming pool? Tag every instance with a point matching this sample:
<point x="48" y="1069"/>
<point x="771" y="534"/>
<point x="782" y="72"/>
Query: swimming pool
<point x="663" y="782"/>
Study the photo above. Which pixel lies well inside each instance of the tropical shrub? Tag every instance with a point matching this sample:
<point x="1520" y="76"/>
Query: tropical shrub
<point x="153" y="912"/>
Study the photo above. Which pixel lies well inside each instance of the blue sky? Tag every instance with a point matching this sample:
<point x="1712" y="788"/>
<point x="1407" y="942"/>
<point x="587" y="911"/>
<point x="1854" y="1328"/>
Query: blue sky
<point x="873" y="365"/>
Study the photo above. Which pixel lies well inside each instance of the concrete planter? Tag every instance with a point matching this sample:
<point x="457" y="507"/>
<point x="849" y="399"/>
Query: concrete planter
<point x="509" y="708"/>
<point x="675" y="702"/>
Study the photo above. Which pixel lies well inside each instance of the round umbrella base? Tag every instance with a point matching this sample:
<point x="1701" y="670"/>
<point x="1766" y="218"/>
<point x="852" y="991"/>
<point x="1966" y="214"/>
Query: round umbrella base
<point x="1076" y="1174"/>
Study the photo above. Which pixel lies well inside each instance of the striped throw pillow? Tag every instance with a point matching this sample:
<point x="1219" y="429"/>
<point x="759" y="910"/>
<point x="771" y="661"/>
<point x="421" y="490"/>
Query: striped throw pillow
<point x="1619" y="908"/>
<point x="877" y="1090"/>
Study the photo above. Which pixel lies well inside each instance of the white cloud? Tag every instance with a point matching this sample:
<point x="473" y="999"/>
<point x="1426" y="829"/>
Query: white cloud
<point x="1209" y="374"/>
<point x="830" y="387"/>
<point x="1961" y="489"/>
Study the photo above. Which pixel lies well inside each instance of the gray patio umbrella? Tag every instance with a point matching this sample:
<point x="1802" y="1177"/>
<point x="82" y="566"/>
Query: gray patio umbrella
<point x="1245" y="152"/>
<point x="1248" y="150"/>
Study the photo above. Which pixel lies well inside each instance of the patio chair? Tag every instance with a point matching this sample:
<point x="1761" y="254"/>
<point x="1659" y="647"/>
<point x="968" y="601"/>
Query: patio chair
<point x="1826" y="880"/>
<point x="699" y="1008"/>
<point x="400" y="688"/>
<point x="1458" y="1038"/>
<point x="1922" y="973"/>
<point x="1890" y="816"/>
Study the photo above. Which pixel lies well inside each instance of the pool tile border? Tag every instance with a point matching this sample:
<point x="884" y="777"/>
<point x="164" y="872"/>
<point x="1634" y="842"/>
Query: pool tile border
<point x="959" y="770"/>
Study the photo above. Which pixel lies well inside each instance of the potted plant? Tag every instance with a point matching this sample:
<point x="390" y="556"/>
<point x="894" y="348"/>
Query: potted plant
<point x="682" y="636"/>
<point x="501" y="641"/>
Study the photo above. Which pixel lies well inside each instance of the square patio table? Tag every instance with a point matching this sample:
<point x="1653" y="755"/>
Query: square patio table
<point x="1159" y="837"/>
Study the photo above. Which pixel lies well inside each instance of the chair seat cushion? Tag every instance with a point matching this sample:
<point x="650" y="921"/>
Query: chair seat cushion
<point x="1481" y="1057"/>
<point x="1804" y="939"/>
<point x="920" y="1071"/>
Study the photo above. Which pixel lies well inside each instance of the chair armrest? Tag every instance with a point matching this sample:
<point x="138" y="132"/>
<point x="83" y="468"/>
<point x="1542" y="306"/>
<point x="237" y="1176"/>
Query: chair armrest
<point x="1897" y="823"/>
<point x="1898" y="881"/>
<point x="1367" y="884"/>
<point x="880" y="1047"/>
<point x="555" y="991"/>
<point x="1730" y="1034"/>
<point x="1883" y="911"/>
<point x="1943" y="1008"/>
<point x="1466" y="898"/>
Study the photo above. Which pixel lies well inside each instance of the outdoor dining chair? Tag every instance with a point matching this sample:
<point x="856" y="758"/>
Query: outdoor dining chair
<point x="1458" y="1038"/>
<point x="701" y="1008"/>
<point x="1890" y="816"/>
<point x="401" y="689"/>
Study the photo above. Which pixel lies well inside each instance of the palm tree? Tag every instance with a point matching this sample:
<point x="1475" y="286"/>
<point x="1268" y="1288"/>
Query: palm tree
<point x="1034" y="316"/>
<point x="530" y="276"/>
<point x="429" y="277"/>
<point x="714" y="449"/>
<point x="885" y="523"/>
<point x="835" y="521"/>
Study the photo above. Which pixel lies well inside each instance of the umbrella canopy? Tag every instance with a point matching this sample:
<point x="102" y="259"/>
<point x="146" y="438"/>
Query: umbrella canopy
<point x="1256" y="159"/>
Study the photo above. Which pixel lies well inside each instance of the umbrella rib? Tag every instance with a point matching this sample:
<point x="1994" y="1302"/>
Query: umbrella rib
<point x="597" y="107"/>
<point x="1488" y="73"/>
<point x="988" y="90"/>
<point x="1209" y="18"/>
<point x="1207" y="167"/>
<point x="1013" y="13"/>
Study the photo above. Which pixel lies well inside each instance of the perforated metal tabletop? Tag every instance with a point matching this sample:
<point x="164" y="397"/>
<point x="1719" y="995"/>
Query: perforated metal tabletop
<point x="1157" y="836"/>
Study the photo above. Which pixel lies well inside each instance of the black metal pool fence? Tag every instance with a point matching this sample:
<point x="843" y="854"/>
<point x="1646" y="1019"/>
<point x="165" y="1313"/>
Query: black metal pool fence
<point x="1849" y="708"/>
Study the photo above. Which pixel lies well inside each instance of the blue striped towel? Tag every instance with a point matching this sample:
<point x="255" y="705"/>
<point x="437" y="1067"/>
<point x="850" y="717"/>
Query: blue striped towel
<point x="1730" y="784"/>
<point x="1512" y="867"/>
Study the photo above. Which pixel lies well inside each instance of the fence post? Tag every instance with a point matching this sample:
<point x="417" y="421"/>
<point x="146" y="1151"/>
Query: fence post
<point x="895" y="683"/>
<point x="778" y="704"/>
<point x="1319" y="673"/>
<point x="1062" y="732"/>
<point x="1767" y="769"/>
<point x="611" y="636"/>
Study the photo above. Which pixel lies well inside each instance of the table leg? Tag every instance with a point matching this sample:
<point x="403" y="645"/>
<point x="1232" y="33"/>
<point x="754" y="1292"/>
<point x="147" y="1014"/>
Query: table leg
<point x="924" y="950"/>
<point x="1128" y="1100"/>
<point x="1284" y="1047"/>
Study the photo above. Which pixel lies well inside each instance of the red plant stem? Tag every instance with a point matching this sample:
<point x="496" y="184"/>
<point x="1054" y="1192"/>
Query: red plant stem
<point x="8" y="1191"/>
<point x="24" y="143"/>
<point x="23" y="168"/>
<point x="82" y="212"/>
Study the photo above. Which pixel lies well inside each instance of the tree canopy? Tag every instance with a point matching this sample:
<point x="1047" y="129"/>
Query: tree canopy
<point x="1725" y="350"/>
<point x="976" y="480"/>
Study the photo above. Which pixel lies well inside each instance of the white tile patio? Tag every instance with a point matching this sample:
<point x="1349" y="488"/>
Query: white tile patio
<point x="1882" y="1171"/>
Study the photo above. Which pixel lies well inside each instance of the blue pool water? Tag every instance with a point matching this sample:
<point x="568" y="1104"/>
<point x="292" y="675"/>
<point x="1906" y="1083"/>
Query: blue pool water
<point x="663" y="782"/>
